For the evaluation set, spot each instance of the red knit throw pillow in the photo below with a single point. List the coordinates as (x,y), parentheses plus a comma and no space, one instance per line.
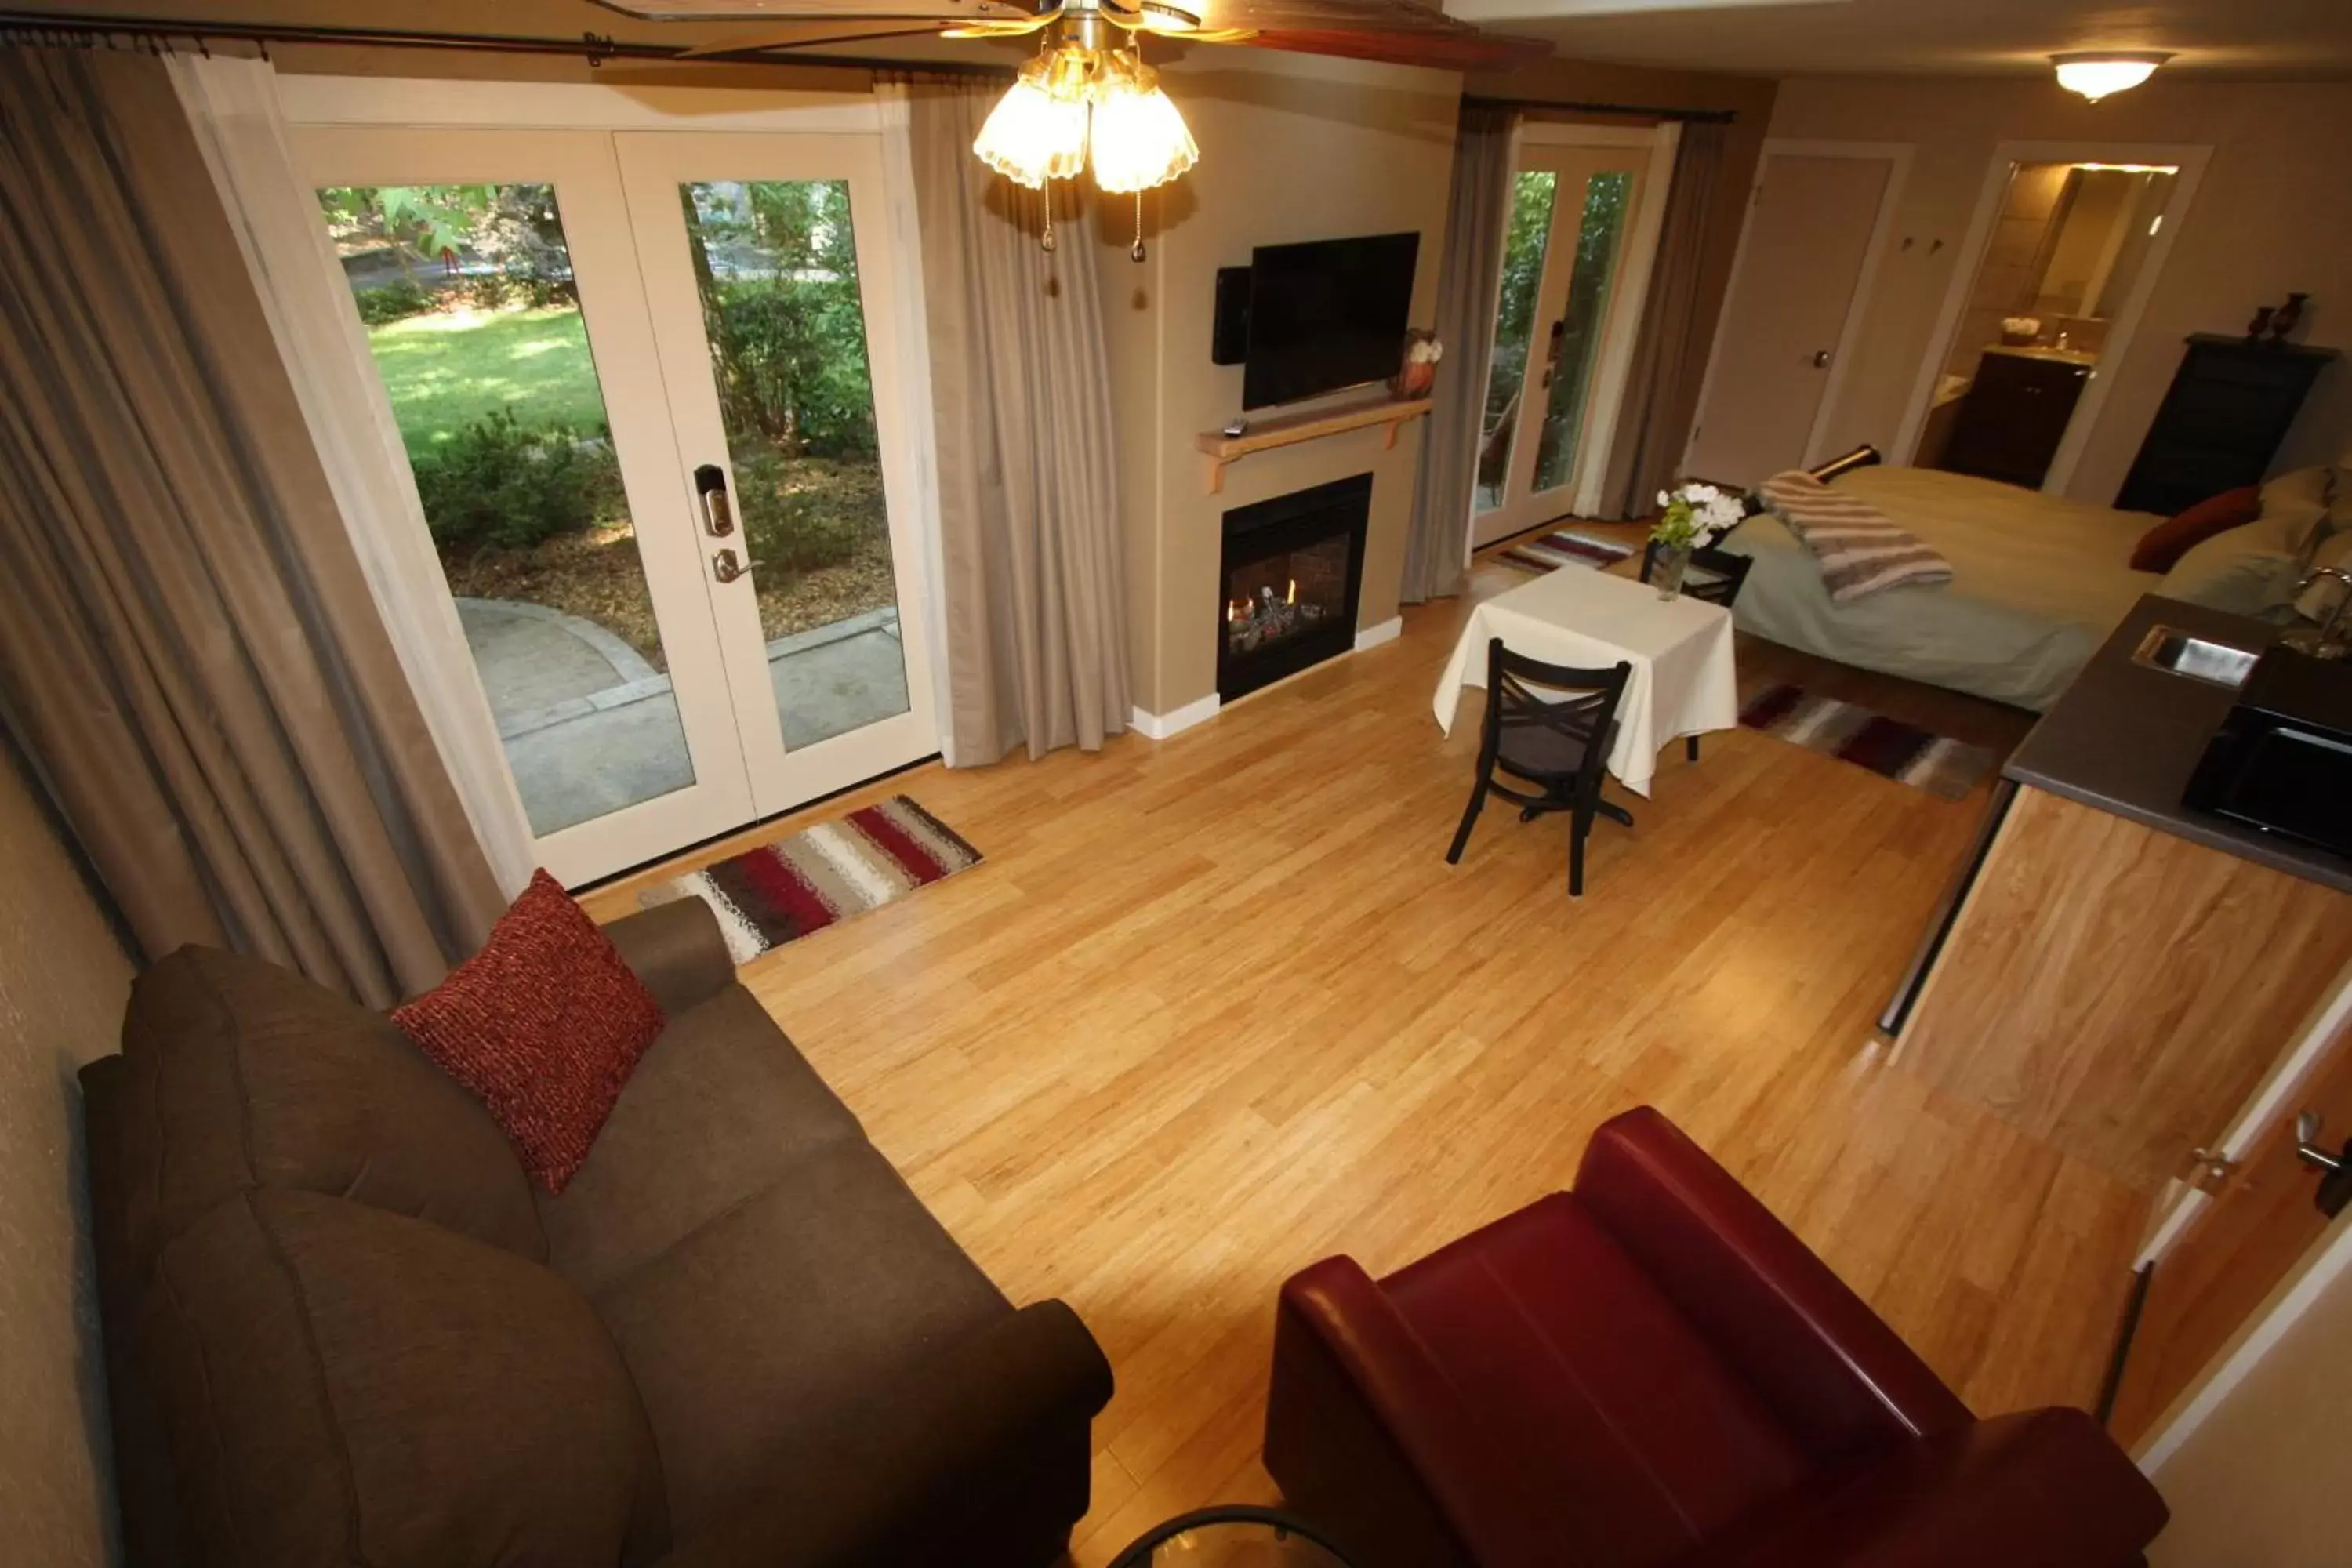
(544,1024)
(2161,547)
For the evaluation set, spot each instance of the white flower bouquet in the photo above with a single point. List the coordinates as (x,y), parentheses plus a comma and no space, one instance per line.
(1695,515)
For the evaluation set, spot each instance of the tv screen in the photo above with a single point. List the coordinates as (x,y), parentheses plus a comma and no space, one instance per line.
(1326,315)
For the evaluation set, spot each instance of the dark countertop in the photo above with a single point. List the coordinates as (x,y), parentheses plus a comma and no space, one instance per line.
(2125,737)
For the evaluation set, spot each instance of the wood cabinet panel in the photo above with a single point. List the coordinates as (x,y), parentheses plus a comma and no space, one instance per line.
(2118,991)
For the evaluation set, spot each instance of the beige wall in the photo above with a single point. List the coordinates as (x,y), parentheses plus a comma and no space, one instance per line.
(1295,148)
(2261,1480)
(62,981)
(2274,213)
(1292,148)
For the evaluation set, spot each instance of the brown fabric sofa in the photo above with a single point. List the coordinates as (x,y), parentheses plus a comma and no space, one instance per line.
(343,1327)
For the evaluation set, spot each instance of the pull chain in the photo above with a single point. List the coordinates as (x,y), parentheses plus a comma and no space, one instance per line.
(1138,251)
(1049,241)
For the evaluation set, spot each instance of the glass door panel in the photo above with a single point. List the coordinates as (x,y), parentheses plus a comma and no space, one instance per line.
(764,260)
(1599,233)
(775,267)
(1525,244)
(1561,262)
(472,318)
(494,276)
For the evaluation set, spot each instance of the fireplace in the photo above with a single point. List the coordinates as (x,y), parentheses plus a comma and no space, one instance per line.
(1292,572)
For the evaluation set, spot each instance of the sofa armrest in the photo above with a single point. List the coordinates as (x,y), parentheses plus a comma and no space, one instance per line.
(2044,1488)
(1366,1434)
(978,1456)
(677,951)
(1828,1365)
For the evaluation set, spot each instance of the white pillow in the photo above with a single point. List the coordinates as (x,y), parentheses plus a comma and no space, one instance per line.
(2297,504)
(2245,572)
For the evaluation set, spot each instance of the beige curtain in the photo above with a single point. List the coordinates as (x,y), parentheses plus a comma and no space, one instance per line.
(1669,356)
(1469,282)
(1032,590)
(188,651)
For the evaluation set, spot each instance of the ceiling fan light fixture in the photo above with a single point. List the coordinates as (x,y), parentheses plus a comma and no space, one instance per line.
(1033,134)
(1139,140)
(2097,73)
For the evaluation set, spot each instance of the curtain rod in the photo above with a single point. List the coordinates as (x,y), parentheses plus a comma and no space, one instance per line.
(86,31)
(1655,112)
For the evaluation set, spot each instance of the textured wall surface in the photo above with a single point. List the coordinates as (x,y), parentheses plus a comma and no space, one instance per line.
(63,976)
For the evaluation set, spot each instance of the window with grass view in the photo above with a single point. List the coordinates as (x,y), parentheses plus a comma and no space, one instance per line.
(473,320)
(776,265)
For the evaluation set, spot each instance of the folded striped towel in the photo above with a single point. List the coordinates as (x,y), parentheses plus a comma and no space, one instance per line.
(1859,552)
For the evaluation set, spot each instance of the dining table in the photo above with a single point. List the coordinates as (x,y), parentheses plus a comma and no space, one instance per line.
(1683,681)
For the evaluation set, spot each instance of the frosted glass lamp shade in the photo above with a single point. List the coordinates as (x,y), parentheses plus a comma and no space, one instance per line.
(1139,141)
(2096,76)
(1032,136)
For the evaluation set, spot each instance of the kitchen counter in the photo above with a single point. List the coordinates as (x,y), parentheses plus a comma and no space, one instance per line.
(2125,737)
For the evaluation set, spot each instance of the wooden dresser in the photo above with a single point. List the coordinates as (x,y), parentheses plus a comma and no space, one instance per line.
(2230,405)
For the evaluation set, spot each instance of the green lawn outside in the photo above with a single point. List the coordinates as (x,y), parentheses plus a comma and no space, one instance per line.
(447,370)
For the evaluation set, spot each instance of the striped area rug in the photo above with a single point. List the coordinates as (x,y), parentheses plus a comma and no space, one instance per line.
(1905,752)
(767,897)
(1564,549)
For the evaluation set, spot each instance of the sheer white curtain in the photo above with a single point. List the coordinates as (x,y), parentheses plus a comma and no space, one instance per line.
(233,106)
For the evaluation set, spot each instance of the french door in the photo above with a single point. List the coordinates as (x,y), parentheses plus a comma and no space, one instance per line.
(644,381)
(1572,214)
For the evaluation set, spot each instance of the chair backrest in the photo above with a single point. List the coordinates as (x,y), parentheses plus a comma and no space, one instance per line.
(1724,571)
(1579,703)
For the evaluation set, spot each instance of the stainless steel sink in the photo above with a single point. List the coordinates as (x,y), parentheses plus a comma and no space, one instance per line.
(2176,652)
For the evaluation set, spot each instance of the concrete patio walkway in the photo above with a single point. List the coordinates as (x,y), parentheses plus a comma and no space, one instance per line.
(589,726)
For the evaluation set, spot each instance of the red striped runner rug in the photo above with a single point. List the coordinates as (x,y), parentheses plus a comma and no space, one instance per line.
(1853,733)
(782,891)
(1553,550)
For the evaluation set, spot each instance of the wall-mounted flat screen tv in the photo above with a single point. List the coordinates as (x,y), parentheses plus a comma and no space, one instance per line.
(1326,315)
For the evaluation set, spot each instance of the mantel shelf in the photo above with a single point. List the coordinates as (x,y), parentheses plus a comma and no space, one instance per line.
(1289,429)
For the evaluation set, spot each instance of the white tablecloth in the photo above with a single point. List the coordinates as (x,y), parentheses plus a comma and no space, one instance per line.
(1683,681)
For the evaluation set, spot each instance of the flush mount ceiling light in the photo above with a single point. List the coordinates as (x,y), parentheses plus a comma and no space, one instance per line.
(2095,73)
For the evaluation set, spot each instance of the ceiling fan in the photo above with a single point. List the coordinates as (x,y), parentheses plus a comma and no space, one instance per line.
(1087,98)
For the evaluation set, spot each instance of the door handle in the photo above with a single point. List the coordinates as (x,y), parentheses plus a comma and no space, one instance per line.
(710,485)
(726,568)
(1821,359)
(2307,1147)
(2334,1170)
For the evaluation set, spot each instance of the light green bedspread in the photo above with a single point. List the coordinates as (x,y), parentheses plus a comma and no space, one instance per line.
(2037,585)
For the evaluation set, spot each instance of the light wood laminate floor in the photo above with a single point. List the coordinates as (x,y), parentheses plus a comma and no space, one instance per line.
(1216,1007)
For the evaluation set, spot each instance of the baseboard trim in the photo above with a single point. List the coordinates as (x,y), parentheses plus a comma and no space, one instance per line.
(1387,631)
(1160,726)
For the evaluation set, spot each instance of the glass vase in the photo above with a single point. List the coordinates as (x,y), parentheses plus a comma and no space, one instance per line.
(1666,570)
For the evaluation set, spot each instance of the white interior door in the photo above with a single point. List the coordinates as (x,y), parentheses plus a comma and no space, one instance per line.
(1812,222)
(533,309)
(1573,212)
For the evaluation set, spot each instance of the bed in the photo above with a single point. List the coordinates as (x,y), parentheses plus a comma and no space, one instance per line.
(2038,582)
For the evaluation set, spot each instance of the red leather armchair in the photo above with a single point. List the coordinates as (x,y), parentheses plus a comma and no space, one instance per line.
(1653,1370)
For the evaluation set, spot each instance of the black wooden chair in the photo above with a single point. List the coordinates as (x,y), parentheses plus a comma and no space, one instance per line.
(1559,743)
(1715,577)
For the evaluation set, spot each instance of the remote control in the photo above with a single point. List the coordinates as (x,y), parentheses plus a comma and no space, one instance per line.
(1236,426)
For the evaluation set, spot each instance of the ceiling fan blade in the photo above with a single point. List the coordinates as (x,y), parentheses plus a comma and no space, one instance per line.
(844,29)
(1477,51)
(785,13)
